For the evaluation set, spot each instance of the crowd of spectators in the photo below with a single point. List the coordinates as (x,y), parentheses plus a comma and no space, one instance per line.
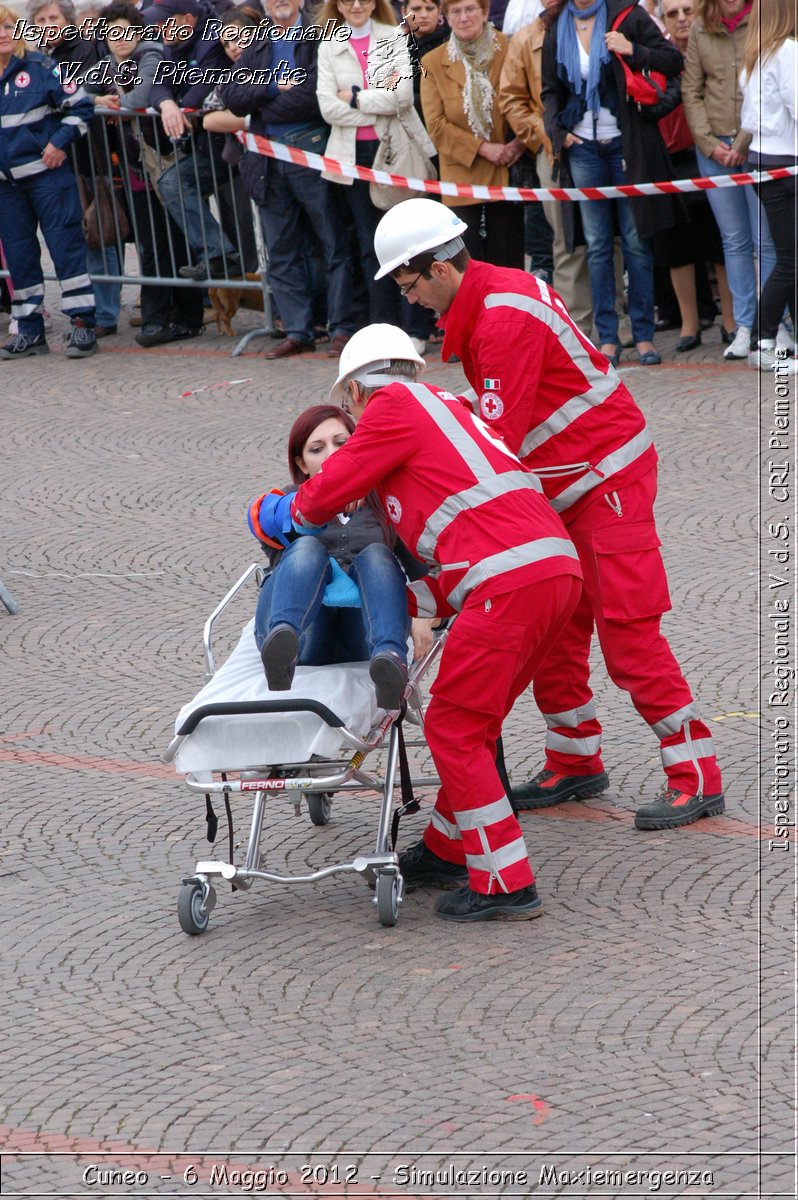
(549,105)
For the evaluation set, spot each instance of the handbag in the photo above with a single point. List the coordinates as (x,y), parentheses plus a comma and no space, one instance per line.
(401,156)
(104,221)
(654,94)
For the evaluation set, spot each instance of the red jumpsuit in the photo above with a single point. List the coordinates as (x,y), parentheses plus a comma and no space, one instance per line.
(564,410)
(500,557)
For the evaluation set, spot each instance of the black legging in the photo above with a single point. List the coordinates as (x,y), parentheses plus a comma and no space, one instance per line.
(778,198)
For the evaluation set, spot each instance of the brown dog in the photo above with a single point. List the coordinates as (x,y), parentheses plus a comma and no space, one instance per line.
(227,300)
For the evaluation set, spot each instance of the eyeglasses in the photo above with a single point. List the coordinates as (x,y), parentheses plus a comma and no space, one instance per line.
(406,288)
(686,10)
(464,12)
(351,3)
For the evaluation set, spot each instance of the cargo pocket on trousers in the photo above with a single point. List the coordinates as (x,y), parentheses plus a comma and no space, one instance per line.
(631,573)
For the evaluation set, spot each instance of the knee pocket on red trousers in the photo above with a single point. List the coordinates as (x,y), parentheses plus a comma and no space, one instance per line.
(631,573)
(479,662)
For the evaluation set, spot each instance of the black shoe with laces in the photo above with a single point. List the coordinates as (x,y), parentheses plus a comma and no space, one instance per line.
(672,808)
(278,654)
(468,905)
(80,342)
(548,788)
(23,346)
(422,868)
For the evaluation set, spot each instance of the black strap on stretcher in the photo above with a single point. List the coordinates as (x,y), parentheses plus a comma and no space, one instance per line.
(212,821)
(409,803)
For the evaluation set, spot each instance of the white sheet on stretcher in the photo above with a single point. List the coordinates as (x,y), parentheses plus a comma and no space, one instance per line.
(232,743)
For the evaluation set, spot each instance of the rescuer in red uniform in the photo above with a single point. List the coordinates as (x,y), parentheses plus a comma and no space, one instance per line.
(499,557)
(560,405)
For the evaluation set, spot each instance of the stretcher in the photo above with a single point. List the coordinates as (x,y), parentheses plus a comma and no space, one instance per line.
(235,737)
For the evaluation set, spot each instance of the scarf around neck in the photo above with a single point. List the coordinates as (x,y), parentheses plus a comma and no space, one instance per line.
(731,23)
(478,94)
(568,49)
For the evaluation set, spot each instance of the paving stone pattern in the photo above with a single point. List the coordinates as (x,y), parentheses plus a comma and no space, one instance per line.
(626,1027)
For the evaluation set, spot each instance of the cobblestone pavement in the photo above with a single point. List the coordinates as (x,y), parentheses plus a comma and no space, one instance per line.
(645,1024)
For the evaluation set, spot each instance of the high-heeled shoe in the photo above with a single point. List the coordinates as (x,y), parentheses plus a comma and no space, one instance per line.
(691,342)
(615,357)
(726,337)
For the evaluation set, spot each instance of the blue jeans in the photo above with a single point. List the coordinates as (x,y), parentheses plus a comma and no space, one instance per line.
(596,165)
(743,228)
(294,592)
(107,296)
(184,187)
(289,191)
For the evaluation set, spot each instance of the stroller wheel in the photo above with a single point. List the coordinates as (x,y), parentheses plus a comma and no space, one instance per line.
(319,807)
(191,913)
(388,899)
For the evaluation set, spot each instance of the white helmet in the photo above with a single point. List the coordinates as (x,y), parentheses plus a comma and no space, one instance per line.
(369,353)
(414,226)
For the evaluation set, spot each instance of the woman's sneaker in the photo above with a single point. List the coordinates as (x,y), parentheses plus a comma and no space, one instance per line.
(741,344)
(22,346)
(80,342)
(767,358)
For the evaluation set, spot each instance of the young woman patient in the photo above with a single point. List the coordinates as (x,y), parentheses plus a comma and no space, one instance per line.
(338,596)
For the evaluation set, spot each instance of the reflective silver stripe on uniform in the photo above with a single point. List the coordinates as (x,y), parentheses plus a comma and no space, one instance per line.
(425,599)
(31,168)
(567,413)
(673,755)
(479,493)
(439,822)
(471,399)
(447,422)
(14,120)
(508,560)
(28,292)
(572,718)
(615,461)
(672,724)
(505,856)
(565,745)
(26,310)
(488,814)
(68,303)
(77,281)
(601,385)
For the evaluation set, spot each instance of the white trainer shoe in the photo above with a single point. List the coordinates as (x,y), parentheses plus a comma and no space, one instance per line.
(784,341)
(741,345)
(767,358)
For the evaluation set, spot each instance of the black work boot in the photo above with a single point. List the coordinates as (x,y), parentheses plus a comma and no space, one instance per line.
(672,808)
(548,788)
(422,868)
(468,905)
(22,346)
(278,654)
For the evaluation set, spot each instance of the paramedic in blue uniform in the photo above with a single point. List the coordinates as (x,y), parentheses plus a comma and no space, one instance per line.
(39,119)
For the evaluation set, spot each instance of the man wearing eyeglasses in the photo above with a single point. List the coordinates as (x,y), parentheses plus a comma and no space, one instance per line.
(289,113)
(559,404)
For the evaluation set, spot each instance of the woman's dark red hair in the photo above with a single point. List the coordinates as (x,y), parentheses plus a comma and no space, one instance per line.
(304,426)
(301,432)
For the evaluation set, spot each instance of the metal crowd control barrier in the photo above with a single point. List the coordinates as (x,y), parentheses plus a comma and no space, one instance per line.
(209,210)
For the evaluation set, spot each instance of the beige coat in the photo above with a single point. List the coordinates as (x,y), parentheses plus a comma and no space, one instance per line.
(442,87)
(378,104)
(519,88)
(710,90)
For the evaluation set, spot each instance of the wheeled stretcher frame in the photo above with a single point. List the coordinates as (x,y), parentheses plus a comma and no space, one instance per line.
(314,781)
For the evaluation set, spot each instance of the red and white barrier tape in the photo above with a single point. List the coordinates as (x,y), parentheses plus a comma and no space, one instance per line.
(436,187)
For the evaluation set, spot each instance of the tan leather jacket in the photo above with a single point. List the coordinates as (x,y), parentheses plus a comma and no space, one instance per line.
(519,88)
(710,89)
(442,84)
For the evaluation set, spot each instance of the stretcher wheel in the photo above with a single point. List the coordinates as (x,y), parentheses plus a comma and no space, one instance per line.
(388,899)
(319,807)
(191,914)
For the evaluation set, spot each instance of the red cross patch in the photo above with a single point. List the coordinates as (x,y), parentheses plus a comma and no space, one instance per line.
(394,509)
(22,80)
(70,88)
(491,406)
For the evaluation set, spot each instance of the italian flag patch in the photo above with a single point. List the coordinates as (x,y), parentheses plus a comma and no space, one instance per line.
(492,385)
